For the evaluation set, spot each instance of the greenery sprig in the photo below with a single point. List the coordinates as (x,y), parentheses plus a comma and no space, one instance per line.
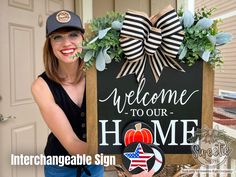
(101,42)
(202,37)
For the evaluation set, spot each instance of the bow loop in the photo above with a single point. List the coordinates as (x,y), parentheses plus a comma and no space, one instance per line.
(132,48)
(157,39)
(153,41)
(168,21)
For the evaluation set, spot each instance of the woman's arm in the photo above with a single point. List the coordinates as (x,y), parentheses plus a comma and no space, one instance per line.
(55,119)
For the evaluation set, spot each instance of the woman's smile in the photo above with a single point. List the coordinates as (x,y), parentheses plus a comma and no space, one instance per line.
(68,51)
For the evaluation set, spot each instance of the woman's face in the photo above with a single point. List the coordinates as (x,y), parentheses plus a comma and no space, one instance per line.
(65,44)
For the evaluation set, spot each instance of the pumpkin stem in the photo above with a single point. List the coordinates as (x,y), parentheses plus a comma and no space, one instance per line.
(138,126)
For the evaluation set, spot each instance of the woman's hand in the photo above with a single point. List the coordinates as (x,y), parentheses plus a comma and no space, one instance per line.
(144,174)
(122,172)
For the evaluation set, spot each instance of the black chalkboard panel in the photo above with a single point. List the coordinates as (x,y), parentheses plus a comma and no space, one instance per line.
(172,107)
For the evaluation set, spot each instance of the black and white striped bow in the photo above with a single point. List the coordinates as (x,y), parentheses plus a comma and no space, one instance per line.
(157,39)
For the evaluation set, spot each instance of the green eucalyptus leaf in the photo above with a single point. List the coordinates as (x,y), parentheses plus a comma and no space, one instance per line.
(93,40)
(100,61)
(183,53)
(188,19)
(204,23)
(102,33)
(89,54)
(223,38)
(116,25)
(112,55)
(205,55)
(106,56)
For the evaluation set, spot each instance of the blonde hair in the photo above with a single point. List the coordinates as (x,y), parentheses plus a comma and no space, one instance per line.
(51,65)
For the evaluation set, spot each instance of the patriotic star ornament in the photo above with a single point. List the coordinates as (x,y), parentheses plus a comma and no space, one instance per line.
(154,40)
(138,157)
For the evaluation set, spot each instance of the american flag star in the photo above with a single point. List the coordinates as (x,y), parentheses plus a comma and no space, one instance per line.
(138,158)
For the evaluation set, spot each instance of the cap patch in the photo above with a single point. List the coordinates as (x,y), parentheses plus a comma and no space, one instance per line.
(63,16)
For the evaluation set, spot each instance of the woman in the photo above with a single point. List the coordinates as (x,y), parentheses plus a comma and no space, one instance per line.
(60,94)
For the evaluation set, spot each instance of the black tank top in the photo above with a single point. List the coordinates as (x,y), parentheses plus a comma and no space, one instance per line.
(74,113)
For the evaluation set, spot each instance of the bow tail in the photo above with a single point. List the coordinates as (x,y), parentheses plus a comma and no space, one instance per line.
(156,69)
(156,66)
(170,61)
(136,68)
(158,61)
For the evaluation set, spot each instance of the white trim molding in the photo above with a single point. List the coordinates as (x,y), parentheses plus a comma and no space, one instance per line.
(84,8)
(186,4)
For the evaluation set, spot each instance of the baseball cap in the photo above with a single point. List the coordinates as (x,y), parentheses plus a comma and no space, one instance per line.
(63,19)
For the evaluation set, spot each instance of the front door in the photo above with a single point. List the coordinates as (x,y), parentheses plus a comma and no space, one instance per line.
(22,34)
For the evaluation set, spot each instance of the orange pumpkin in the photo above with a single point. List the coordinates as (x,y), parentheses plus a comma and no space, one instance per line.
(138,134)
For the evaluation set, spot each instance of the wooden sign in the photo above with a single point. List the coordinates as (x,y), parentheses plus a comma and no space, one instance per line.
(174,107)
